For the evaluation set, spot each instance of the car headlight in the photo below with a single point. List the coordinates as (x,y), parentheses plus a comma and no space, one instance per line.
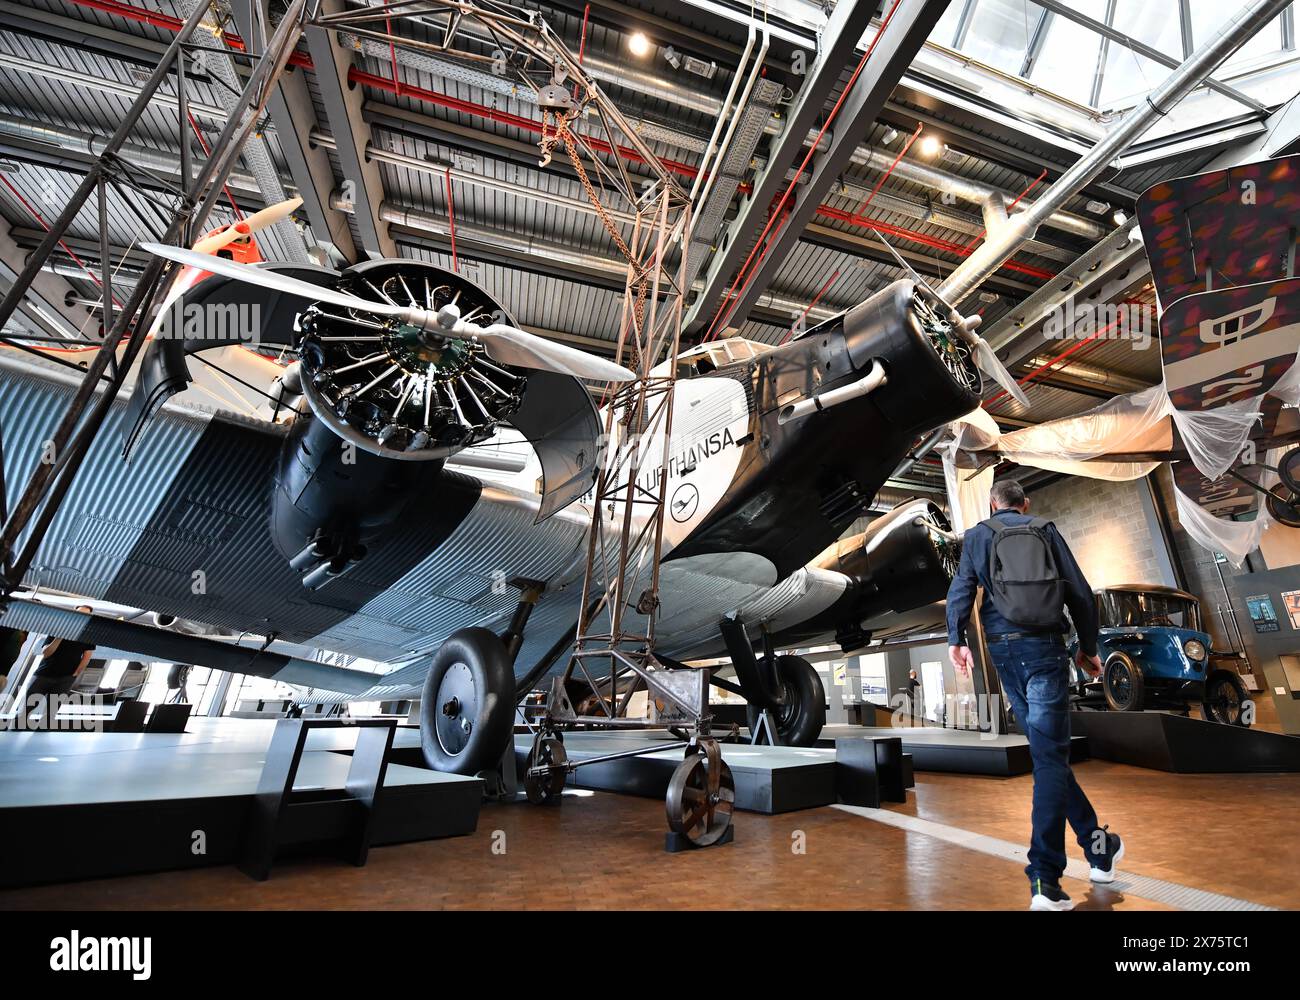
(1195,649)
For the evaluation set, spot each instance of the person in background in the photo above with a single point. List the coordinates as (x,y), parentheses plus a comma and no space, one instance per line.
(913,686)
(1033,666)
(62,661)
(11,645)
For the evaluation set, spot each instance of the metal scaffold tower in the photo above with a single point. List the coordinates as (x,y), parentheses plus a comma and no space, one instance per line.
(614,650)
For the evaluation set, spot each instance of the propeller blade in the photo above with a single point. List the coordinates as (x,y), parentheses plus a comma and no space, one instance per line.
(512,346)
(256,222)
(264,278)
(271,215)
(988,360)
(502,343)
(219,240)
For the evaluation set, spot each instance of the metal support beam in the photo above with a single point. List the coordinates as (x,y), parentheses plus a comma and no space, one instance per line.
(1281,138)
(1115,265)
(80,34)
(256,152)
(361,177)
(838,42)
(1001,245)
(294,116)
(46,304)
(47,486)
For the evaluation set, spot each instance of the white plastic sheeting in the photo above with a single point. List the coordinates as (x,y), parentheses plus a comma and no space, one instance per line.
(968,490)
(1235,539)
(1133,423)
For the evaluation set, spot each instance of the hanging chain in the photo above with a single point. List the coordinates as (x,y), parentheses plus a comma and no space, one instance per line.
(560,132)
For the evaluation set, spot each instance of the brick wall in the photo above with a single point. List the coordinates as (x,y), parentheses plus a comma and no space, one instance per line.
(1107,528)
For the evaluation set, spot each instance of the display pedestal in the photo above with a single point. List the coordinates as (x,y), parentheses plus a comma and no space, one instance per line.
(675,843)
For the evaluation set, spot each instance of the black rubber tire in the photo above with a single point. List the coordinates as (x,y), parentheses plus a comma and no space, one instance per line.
(473,662)
(1119,698)
(1283,505)
(1288,470)
(1211,707)
(800,720)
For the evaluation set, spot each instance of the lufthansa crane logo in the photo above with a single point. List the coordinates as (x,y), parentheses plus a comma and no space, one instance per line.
(685,502)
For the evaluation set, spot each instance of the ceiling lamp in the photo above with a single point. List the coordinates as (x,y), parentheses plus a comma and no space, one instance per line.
(930,146)
(639,44)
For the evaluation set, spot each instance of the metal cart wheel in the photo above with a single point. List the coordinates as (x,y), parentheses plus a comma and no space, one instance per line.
(701,797)
(547,751)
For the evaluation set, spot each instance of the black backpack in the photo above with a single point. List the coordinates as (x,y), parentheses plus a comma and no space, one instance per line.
(1023,576)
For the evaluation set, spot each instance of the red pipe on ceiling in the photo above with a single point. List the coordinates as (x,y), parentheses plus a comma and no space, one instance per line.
(169,23)
(355,75)
(933,242)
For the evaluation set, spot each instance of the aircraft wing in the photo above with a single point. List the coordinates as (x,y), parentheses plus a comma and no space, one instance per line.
(1221,228)
(183,529)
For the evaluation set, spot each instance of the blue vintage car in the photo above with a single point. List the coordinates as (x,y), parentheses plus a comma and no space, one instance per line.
(1156,654)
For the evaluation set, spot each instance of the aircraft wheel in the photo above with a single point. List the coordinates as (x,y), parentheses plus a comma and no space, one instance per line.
(1123,683)
(549,751)
(467,707)
(1284,506)
(1225,699)
(1288,470)
(799,721)
(701,797)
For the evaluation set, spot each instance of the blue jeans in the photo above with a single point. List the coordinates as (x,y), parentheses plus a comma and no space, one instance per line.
(1035,676)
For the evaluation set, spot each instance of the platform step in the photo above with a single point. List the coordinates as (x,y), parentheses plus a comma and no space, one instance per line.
(1166,742)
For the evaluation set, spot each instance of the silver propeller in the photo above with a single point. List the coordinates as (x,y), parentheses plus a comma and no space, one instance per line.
(988,359)
(506,344)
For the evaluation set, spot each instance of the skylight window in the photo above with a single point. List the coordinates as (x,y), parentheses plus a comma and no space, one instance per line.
(1078,62)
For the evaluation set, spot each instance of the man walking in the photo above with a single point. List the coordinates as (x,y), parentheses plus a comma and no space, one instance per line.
(1028,573)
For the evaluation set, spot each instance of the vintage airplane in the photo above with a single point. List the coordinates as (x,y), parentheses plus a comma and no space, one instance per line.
(1222,247)
(342,522)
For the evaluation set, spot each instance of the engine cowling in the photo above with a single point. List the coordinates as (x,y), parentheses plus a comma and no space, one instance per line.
(898,569)
(899,563)
(386,405)
(398,392)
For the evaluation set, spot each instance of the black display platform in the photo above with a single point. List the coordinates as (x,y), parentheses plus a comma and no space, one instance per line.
(87,805)
(1166,742)
(768,779)
(957,751)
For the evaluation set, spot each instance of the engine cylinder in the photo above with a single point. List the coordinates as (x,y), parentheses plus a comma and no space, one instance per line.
(398,391)
(387,404)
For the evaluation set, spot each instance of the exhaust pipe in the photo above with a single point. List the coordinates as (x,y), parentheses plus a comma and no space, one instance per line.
(873,380)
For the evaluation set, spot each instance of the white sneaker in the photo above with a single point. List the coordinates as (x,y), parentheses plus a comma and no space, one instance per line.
(1049,897)
(1104,866)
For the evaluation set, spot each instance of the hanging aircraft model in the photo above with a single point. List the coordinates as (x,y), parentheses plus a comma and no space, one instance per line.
(337,528)
(1222,247)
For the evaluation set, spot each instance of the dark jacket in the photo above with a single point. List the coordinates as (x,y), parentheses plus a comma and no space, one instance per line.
(973,572)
